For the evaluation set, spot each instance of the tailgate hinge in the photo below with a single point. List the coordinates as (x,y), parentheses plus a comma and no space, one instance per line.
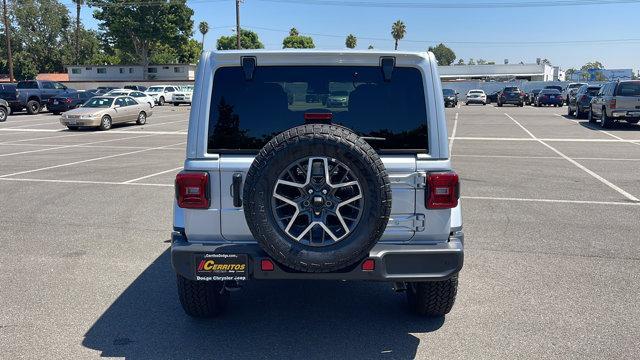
(416,179)
(413,222)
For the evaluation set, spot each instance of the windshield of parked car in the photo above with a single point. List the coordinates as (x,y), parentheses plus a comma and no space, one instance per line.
(155,89)
(572,86)
(628,89)
(98,102)
(245,115)
(448,92)
(593,90)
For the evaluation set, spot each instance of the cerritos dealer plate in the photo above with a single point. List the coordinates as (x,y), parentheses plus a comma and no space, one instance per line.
(221,267)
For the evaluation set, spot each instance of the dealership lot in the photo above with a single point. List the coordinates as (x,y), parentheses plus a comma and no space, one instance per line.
(552,264)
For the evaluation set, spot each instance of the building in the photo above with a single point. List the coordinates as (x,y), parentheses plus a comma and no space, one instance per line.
(498,72)
(602,75)
(107,73)
(558,74)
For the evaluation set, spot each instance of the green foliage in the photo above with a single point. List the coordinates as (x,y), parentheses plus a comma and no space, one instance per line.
(471,62)
(592,65)
(190,52)
(398,31)
(141,29)
(203,27)
(297,41)
(460,62)
(351,41)
(23,66)
(248,40)
(444,55)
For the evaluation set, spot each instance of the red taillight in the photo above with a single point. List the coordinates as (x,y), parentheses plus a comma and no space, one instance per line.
(266,265)
(443,190)
(192,190)
(612,103)
(318,116)
(583,97)
(67,100)
(369,265)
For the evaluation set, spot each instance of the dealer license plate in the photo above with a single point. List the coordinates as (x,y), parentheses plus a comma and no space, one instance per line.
(221,267)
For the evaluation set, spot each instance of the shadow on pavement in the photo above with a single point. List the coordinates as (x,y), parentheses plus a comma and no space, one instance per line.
(276,319)
(621,126)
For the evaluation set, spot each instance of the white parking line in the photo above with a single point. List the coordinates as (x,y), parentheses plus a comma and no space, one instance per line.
(91,146)
(85,161)
(156,124)
(152,175)
(84,182)
(453,134)
(551,200)
(577,164)
(101,132)
(543,139)
(634,142)
(71,146)
(540,157)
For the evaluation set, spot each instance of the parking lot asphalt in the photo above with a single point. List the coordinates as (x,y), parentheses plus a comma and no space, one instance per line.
(552,258)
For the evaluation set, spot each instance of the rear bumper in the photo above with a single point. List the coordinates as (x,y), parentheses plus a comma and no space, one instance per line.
(625,114)
(512,101)
(393,262)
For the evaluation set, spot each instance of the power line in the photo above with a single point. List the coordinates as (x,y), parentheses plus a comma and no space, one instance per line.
(455,5)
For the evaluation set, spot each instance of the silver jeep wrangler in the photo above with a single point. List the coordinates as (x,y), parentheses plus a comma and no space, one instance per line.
(282,183)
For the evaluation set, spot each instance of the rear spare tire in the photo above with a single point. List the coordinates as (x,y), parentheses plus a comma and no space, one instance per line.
(317,198)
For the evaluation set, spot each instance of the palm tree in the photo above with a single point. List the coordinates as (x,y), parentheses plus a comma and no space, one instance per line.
(204,29)
(398,31)
(79,4)
(351,41)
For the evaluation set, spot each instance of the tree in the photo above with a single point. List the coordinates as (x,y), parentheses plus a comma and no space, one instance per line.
(25,68)
(444,55)
(137,27)
(204,29)
(592,65)
(460,62)
(248,40)
(398,31)
(471,61)
(351,41)
(297,41)
(189,52)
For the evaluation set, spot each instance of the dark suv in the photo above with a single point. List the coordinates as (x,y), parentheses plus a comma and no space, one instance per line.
(450,97)
(580,101)
(34,94)
(616,101)
(511,95)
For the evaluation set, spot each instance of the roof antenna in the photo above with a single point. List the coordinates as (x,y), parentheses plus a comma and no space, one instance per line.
(248,66)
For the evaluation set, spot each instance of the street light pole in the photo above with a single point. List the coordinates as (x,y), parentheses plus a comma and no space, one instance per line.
(7,39)
(238,46)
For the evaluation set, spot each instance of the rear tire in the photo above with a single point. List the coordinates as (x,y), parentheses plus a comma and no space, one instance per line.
(592,120)
(161,101)
(72,127)
(432,298)
(202,299)
(605,122)
(3,114)
(142,118)
(176,104)
(33,107)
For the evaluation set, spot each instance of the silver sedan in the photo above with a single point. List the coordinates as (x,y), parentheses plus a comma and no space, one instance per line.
(104,111)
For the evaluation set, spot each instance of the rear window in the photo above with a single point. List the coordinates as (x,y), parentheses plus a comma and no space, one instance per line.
(550,91)
(245,115)
(27,85)
(511,89)
(628,89)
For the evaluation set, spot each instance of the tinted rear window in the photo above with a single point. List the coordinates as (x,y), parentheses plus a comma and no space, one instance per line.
(511,89)
(628,89)
(593,90)
(245,115)
(550,91)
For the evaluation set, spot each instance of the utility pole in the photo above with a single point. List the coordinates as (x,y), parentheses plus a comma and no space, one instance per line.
(238,24)
(78,32)
(7,39)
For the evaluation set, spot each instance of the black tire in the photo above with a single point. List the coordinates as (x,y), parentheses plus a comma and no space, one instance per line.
(569,112)
(176,104)
(560,105)
(499,104)
(55,113)
(590,117)
(161,101)
(202,299)
(432,298)
(105,123)
(142,118)
(4,113)
(72,127)
(579,114)
(299,143)
(605,121)
(33,107)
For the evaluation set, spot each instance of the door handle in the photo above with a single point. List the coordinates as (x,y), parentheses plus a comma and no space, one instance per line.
(236,185)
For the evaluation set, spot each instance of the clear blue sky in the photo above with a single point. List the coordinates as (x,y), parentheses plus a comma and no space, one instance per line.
(430,26)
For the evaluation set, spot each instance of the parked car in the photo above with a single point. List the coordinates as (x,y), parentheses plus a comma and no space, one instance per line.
(450,97)
(183,95)
(139,96)
(338,99)
(135,87)
(493,97)
(5,110)
(33,94)
(62,103)
(511,95)
(616,101)
(531,96)
(289,195)
(580,101)
(570,90)
(549,97)
(161,93)
(476,97)
(104,111)
(101,90)
(8,93)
